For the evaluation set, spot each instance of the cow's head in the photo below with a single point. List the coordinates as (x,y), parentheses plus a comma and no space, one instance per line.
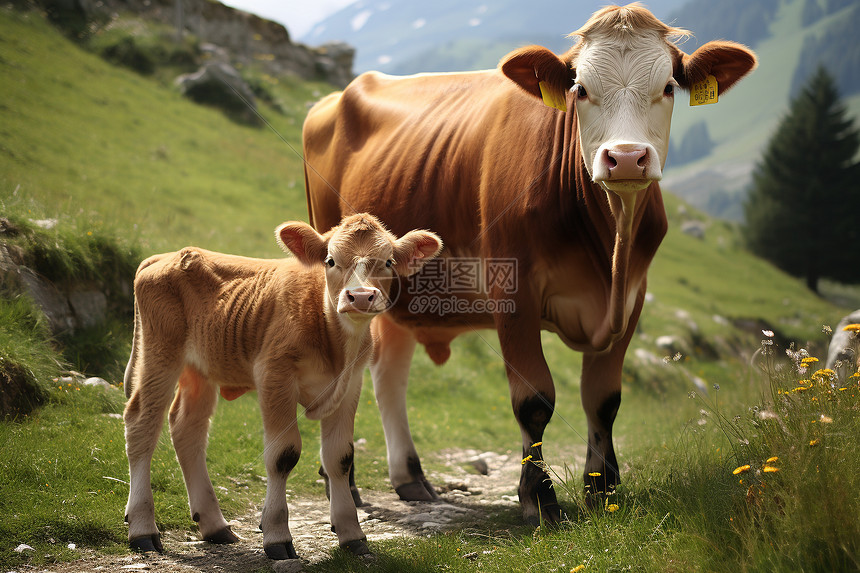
(622,76)
(360,258)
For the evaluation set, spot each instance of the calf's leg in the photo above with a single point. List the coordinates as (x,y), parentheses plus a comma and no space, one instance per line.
(189,416)
(337,455)
(282,448)
(144,416)
(389,369)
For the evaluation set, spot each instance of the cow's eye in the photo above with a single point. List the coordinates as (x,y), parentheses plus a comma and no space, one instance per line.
(329,261)
(388,263)
(579,89)
(669,90)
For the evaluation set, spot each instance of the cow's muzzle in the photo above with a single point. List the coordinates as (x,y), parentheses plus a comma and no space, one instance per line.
(368,300)
(626,167)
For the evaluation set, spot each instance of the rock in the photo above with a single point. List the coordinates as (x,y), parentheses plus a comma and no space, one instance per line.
(694,229)
(97,382)
(23,548)
(481,466)
(52,302)
(286,566)
(89,307)
(220,85)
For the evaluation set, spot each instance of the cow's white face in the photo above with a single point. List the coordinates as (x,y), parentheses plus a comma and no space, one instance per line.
(624,93)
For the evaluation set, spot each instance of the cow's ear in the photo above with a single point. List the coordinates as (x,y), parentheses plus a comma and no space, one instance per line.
(728,62)
(303,241)
(541,73)
(414,249)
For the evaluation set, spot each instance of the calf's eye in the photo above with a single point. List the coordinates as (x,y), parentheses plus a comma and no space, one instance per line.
(388,263)
(329,261)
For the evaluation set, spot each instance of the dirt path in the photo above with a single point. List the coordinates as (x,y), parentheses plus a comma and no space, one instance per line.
(467,494)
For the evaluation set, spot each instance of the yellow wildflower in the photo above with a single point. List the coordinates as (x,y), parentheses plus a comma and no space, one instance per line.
(594,474)
(826,419)
(820,374)
(537,444)
(769,469)
(526,459)
(809,360)
(813,442)
(578,568)
(741,469)
(852,327)
(772,459)
(612,507)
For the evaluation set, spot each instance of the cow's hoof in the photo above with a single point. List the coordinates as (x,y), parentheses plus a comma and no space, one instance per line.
(357,547)
(281,551)
(147,543)
(417,491)
(222,537)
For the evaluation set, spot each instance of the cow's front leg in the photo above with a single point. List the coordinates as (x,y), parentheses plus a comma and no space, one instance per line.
(533,401)
(282,448)
(189,426)
(601,397)
(337,455)
(392,357)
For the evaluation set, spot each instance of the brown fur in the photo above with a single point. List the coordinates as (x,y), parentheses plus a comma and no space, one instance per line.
(297,330)
(477,158)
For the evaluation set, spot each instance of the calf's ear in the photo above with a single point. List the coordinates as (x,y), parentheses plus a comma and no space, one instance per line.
(414,249)
(541,73)
(303,241)
(728,62)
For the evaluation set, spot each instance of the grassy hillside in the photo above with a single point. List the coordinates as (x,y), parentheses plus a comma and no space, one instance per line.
(80,137)
(103,149)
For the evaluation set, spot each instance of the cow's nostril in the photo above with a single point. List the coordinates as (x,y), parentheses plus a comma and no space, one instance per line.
(350,297)
(370,298)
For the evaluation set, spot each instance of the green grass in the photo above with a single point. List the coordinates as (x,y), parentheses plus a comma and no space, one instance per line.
(127,159)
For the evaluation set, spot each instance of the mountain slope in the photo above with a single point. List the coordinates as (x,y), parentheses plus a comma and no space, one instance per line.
(404,37)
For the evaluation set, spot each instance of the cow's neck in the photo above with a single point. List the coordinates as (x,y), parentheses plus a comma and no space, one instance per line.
(612,220)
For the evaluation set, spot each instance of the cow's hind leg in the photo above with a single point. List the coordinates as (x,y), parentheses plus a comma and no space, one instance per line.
(189,427)
(394,347)
(337,452)
(144,417)
(282,448)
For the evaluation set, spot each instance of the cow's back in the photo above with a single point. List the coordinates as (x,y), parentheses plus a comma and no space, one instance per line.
(411,149)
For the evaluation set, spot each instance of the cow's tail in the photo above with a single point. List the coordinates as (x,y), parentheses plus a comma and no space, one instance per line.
(135,350)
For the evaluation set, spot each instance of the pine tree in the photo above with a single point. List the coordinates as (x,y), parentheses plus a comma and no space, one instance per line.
(802,210)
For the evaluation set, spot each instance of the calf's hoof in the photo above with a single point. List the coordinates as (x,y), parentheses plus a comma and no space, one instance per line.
(147,543)
(222,537)
(420,490)
(357,547)
(281,551)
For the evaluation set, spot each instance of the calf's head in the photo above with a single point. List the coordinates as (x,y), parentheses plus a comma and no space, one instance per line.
(621,78)
(360,259)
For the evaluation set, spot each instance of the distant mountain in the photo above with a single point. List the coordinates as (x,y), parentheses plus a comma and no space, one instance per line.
(405,36)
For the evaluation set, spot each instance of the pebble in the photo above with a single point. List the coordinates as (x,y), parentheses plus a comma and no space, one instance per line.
(23,547)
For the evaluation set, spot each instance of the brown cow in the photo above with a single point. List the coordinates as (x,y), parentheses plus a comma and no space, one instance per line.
(567,198)
(296,330)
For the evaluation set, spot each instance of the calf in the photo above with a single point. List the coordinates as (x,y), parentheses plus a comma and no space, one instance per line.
(296,330)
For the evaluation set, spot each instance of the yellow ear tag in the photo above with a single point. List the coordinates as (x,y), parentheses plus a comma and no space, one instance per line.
(704,92)
(550,98)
